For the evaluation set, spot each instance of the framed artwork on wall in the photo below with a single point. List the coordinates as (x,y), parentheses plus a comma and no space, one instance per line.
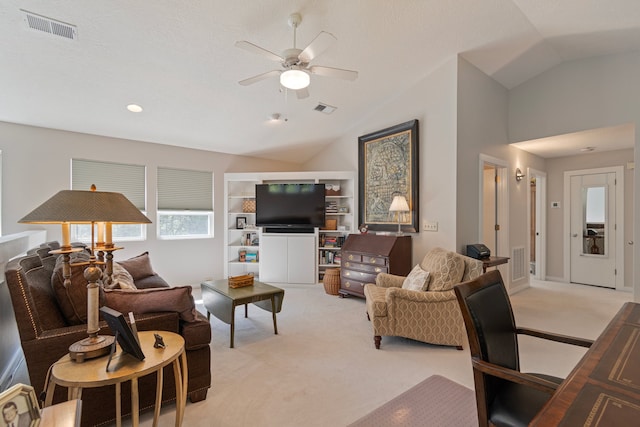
(388,166)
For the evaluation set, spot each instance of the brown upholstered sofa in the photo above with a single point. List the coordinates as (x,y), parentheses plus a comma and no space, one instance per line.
(433,315)
(45,332)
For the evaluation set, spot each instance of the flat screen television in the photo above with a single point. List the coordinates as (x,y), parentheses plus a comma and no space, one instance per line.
(290,206)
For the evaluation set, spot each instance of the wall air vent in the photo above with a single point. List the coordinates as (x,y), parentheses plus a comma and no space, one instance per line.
(50,26)
(325,108)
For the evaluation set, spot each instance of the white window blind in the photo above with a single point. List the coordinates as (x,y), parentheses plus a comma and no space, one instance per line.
(116,177)
(181,189)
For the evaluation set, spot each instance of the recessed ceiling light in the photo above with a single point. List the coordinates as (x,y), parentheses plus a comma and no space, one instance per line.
(134,108)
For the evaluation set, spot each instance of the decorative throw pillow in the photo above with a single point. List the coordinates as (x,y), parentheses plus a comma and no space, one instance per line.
(417,280)
(73,298)
(178,299)
(446,268)
(121,279)
(139,267)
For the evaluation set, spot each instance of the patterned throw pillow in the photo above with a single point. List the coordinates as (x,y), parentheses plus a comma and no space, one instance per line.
(417,280)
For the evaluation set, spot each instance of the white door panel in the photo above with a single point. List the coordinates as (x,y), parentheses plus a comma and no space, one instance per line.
(593,229)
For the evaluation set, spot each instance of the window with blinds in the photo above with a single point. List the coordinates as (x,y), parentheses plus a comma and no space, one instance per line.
(185,203)
(127,179)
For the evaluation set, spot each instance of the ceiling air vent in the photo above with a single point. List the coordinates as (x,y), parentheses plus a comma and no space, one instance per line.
(49,26)
(325,108)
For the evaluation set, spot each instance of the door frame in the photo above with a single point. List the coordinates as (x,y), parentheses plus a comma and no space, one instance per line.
(502,208)
(618,226)
(541,220)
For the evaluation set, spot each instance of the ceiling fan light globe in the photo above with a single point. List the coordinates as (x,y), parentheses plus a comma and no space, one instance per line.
(295,79)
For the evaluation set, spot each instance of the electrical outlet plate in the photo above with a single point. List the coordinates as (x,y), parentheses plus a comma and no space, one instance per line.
(430,226)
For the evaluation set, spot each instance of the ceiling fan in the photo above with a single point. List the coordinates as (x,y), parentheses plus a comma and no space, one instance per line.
(296,71)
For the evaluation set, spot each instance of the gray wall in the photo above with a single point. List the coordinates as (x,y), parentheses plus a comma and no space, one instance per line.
(37,164)
(581,95)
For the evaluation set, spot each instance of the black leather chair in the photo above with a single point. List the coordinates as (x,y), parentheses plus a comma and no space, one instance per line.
(504,395)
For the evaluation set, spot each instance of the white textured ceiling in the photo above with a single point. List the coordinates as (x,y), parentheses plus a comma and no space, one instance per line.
(178,60)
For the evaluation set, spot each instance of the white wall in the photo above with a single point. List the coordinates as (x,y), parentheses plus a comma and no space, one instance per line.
(482,129)
(433,102)
(580,95)
(37,164)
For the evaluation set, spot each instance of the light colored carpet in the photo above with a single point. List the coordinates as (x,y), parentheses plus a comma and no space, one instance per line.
(323,369)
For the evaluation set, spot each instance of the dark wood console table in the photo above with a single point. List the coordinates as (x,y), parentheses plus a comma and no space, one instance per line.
(604,388)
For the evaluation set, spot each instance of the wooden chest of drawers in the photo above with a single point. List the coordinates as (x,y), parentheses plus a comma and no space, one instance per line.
(366,255)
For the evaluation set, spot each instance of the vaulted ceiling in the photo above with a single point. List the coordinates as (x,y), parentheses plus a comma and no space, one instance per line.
(178,60)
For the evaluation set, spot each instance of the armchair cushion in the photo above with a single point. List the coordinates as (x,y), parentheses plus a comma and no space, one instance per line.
(445,267)
(417,280)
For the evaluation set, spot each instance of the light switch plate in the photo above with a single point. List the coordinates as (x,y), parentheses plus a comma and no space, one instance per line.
(429,225)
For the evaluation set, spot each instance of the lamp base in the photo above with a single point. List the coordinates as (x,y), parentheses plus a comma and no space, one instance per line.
(90,348)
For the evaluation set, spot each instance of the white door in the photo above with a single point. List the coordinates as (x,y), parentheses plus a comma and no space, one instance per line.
(593,239)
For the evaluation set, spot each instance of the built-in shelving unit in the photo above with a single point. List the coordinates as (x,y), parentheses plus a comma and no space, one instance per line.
(239,193)
(340,214)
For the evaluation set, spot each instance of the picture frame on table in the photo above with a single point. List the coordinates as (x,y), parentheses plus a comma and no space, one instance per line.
(241,222)
(126,338)
(388,166)
(19,405)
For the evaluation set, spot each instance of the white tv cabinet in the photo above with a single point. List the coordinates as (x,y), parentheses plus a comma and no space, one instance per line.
(288,258)
(305,260)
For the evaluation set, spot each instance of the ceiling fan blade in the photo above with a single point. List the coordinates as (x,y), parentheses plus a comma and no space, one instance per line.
(302,93)
(334,72)
(317,46)
(250,47)
(254,79)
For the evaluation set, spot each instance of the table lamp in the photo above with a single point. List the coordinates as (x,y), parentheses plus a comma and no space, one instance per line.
(87,207)
(399,205)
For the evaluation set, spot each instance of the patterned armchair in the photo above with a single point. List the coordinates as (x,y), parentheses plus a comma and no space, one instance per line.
(431,316)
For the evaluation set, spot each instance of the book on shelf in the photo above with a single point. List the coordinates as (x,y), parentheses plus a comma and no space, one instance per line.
(331,206)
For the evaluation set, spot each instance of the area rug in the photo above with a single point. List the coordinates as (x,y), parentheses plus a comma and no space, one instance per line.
(435,402)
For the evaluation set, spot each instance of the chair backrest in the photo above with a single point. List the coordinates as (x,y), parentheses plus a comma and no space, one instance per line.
(490,325)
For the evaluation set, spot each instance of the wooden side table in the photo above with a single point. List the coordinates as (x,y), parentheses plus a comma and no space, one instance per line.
(493,261)
(124,367)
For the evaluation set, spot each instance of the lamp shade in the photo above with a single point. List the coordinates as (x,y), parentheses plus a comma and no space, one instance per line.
(295,79)
(78,206)
(399,204)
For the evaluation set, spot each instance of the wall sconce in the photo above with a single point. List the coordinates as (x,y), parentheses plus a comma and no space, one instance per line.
(519,175)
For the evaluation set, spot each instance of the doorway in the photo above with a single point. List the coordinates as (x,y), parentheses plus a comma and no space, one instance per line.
(594,221)
(537,223)
(494,219)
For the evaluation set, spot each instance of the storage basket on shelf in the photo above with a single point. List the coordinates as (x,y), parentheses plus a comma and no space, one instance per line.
(249,206)
(331,281)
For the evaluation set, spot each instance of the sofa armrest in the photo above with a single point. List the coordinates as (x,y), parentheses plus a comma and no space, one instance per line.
(386,280)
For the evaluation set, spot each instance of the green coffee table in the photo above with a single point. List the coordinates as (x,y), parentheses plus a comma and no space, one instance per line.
(221,300)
